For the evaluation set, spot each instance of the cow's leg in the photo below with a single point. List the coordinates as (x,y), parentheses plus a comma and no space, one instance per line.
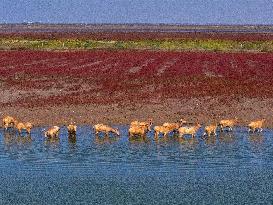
(249,130)
(165,134)
(156,134)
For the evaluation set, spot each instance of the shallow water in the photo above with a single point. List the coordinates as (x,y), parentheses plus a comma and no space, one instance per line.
(228,169)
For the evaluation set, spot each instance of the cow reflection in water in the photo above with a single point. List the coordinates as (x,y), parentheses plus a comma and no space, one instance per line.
(72,138)
(10,138)
(137,139)
(188,143)
(256,138)
(53,141)
(210,140)
(52,144)
(227,137)
(13,144)
(173,137)
(105,139)
(24,140)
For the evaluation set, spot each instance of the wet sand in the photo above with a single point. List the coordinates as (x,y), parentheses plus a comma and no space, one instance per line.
(204,110)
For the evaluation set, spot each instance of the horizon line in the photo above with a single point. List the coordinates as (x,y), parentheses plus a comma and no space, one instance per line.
(132,24)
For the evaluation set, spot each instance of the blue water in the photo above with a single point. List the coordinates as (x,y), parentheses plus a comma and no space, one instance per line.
(228,169)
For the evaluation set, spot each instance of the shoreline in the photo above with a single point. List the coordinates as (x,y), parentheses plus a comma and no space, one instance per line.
(192,110)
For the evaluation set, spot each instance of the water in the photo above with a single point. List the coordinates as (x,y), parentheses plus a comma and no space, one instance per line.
(228,169)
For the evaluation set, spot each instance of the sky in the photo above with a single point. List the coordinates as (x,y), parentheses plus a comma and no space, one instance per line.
(138,11)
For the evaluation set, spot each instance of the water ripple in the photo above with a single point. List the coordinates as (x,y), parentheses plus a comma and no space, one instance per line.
(167,165)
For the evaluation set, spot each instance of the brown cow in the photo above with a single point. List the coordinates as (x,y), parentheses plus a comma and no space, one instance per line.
(24,126)
(174,126)
(256,125)
(138,123)
(52,132)
(138,130)
(189,130)
(210,130)
(106,129)
(228,124)
(72,129)
(9,122)
(162,129)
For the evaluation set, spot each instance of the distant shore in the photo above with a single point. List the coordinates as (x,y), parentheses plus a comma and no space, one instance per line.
(168,28)
(225,38)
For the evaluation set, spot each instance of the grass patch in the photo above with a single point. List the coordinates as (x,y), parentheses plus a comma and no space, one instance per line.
(173,45)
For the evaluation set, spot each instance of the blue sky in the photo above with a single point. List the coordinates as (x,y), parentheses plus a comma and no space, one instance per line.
(138,11)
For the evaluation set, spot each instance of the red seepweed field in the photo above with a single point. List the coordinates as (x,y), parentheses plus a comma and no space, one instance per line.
(117,86)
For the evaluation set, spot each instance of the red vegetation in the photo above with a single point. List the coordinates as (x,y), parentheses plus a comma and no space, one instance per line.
(84,77)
